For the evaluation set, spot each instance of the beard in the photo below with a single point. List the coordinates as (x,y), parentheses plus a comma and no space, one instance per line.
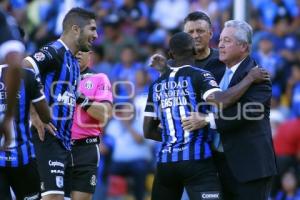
(82,44)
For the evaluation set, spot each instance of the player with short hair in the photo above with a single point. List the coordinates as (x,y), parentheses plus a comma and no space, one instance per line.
(185,158)
(59,71)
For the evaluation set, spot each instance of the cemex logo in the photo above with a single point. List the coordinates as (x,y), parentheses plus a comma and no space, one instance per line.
(210,195)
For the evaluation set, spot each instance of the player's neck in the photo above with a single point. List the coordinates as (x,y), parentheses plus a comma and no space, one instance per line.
(184,61)
(202,54)
(69,42)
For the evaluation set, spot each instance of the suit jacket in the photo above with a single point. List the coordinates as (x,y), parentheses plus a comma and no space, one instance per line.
(246,137)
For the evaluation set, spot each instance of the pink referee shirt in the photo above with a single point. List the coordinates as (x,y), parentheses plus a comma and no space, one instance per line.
(96,87)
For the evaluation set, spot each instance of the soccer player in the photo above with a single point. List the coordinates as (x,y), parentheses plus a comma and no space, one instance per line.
(11,53)
(18,168)
(59,71)
(93,110)
(184,159)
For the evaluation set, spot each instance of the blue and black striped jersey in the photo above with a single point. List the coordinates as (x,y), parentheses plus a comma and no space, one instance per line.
(21,149)
(59,72)
(171,98)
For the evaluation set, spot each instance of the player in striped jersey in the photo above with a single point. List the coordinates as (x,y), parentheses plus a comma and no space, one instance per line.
(59,71)
(11,53)
(19,158)
(185,157)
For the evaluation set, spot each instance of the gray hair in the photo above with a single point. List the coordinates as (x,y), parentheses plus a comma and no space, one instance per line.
(243,32)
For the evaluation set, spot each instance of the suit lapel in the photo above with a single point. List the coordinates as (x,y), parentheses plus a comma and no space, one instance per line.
(242,71)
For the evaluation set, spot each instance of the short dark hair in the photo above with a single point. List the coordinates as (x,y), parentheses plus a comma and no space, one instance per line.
(181,44)
(197,15)
(77,16)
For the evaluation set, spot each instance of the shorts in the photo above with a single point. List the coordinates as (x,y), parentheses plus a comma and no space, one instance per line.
(198,177)
(23,180)
(54,164)
(86,156)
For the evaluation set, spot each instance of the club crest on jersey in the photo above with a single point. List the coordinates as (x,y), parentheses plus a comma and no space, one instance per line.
(213,83)
(39,56)
(89,85)
(59,181)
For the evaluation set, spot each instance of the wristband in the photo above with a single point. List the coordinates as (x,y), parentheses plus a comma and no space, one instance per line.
(84,102)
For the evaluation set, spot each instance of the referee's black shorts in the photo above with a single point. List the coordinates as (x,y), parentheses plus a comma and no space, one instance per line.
(198,177)
(86,156)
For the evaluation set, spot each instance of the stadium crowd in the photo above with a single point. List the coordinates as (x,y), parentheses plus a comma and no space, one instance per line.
(130,31)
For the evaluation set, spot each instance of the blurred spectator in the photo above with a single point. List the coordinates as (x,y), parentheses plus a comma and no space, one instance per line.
(287,148)
(290,188)
(114,40)
(169,14)
(285,43)
(135,15)
(270,9)
(293,90)
(132,153)
(209,7)
(125,71)
(267,58)
(98,62)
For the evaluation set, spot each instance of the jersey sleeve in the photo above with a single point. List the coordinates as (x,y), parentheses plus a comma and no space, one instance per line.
(10,38)
(44,60)
(35,87)
(103,90)
(207,84)
(151,107)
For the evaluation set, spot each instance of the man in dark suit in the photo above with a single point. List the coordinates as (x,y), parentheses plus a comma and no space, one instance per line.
(245,157)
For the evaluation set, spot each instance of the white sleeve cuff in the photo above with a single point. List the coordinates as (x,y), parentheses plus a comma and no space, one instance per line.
(150,114)
(11,46)
(212,122)
(34,65)
(209,92)
(38,99)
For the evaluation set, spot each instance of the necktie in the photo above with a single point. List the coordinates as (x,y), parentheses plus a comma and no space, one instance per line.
(223,85)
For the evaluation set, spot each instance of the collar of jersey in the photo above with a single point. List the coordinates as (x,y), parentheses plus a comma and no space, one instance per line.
(180,67)
(66,47)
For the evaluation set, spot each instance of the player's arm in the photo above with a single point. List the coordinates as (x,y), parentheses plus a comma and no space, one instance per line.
(101,111)
(224,99)
(151,121)
(42,61)
(221,99)
(39,110)
(11,53)
(38,100)
(151,129)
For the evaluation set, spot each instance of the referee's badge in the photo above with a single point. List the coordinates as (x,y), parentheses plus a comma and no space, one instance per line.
(89,85)
(39,56)
(59,181)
